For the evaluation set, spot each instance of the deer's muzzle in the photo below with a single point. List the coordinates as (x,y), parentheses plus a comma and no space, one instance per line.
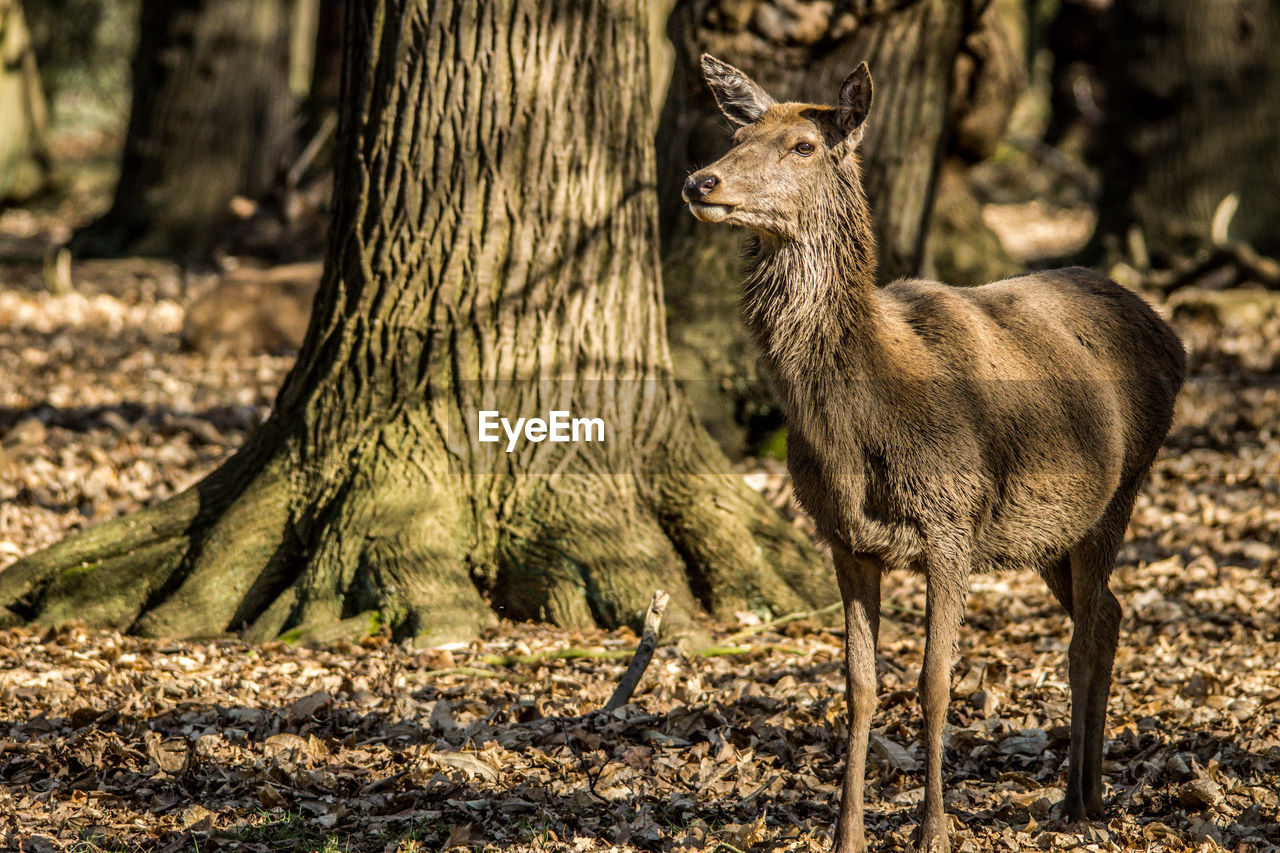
(696,189)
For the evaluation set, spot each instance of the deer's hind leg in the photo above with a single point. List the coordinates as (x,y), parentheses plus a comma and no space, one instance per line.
(1095,614)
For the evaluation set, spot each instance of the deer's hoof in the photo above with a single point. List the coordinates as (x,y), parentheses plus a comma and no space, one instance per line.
(853,842)
(935,844)
(1075,810)
(852,847)
(933,836)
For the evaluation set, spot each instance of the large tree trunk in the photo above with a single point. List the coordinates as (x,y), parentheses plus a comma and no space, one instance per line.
(494,247)
(23,115)
(212,118)
(797,51)
(1193,115)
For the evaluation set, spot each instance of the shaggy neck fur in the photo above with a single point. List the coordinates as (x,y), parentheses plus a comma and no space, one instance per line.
(810,299)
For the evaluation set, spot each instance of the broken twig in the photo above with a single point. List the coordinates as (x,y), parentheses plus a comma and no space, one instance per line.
(779,622)
(570,653)
(475,672)
(644,653)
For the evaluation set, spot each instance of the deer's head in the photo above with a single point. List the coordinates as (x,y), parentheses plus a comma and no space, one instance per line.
(784,158)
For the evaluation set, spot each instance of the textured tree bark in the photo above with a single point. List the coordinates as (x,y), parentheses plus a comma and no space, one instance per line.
(211,119)
(494,247)
(800,52)
(23,162)
(1192,115)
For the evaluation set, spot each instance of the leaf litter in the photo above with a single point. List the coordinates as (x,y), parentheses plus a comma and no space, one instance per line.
(109,742)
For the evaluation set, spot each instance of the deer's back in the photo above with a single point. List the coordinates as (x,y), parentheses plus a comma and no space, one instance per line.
(1025,405)
(1043,332)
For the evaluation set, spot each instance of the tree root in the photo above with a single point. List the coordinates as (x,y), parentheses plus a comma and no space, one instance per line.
(102,576)
(392,533)
(780,621)
(741,555)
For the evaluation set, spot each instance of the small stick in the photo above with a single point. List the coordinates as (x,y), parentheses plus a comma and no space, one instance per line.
(571,653)
(327,126)
(779,622)
(724,845)
(644,653)
(1222,219)
(474,672)
(722,651)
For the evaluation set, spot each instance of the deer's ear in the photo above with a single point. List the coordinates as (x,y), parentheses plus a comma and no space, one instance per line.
(740,98)
(855,100)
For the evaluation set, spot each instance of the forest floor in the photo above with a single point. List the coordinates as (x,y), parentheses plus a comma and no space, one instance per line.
(115,743)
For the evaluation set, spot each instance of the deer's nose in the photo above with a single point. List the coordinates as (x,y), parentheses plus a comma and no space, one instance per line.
(697,186)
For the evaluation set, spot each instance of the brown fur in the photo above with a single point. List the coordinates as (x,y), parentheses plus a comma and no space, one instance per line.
(938,429)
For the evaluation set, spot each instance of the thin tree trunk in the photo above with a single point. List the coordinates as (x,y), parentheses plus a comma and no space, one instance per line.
(211,119)
(494,247)
(1193,115)
(326,70)
(23,162)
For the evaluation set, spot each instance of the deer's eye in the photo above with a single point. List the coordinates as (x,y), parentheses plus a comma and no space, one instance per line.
(804,149)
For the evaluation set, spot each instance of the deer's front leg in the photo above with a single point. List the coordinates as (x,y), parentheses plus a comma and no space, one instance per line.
(944,607)
(859,580)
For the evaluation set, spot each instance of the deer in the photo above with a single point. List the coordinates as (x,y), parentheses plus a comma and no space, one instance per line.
(937,429)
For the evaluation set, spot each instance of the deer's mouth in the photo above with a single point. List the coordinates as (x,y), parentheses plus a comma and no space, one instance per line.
(708,212)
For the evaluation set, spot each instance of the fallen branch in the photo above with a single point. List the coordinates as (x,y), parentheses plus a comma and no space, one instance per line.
(569,653)
(722,651)
(1260,267)
(477,673)
(902,609)
(1245,260)
(640,656)
(577,653)
(732,639)
(644,653)
(327,126)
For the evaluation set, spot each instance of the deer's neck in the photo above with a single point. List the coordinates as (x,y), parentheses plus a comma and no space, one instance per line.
(811,303)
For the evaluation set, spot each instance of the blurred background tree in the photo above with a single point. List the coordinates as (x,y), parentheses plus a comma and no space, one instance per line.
(83,48)
(211,119)
(1192,116)
(24,163)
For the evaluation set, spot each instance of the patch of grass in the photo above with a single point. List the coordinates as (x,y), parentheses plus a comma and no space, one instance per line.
(287,831)
(536,833)
(431,832)
(81,570)
(774,446)
(98,843)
